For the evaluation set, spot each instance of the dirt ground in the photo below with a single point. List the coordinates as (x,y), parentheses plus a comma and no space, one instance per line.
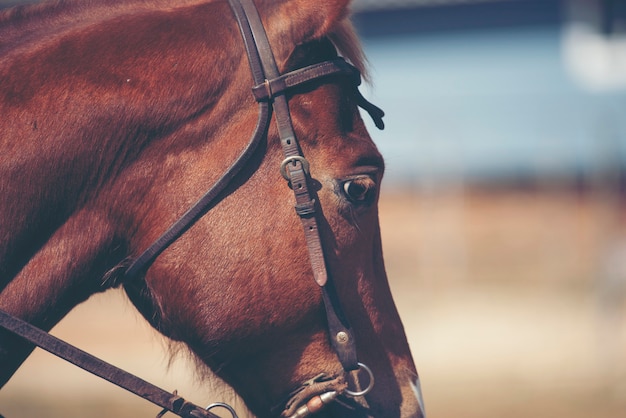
(513,303)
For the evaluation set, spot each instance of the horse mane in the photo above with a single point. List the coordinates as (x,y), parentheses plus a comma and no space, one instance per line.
(22,23)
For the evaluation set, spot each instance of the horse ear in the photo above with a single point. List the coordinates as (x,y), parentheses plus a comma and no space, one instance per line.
(294,22)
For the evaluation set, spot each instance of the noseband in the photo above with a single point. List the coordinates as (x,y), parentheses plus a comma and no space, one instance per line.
(270,89)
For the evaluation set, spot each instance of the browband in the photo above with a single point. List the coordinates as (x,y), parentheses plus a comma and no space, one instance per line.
(338,66)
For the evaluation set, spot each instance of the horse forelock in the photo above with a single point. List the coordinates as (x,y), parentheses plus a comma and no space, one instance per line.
(345,39)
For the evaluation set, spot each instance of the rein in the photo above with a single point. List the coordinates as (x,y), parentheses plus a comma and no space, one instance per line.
(166,400)
(270,92)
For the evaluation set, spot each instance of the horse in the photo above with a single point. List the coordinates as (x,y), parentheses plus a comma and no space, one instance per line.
(118,115)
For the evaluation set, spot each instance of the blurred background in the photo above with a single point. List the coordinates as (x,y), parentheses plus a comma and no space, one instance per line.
(503,216)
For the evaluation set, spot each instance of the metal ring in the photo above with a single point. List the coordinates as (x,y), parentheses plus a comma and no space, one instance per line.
(295,158)
(223,405)
(369,386)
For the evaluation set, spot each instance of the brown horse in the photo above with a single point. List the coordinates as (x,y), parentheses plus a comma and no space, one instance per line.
(117,115)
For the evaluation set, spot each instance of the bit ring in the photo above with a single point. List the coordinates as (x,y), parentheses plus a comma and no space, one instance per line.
(223,405)
(369,387)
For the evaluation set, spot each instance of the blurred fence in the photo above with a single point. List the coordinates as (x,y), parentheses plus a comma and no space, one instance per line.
(506,151)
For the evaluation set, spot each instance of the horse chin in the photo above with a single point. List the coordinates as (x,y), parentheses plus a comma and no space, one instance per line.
(347,408)
(351,408)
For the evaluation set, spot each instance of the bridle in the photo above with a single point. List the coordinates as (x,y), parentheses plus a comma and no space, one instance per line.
(270,89)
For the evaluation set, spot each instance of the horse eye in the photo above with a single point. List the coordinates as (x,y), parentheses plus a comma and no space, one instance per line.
(359,190)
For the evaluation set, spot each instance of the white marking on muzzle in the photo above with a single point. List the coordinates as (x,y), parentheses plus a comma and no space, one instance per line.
(417,389)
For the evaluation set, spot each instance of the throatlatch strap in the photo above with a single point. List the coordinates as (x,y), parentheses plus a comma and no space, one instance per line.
(143,262)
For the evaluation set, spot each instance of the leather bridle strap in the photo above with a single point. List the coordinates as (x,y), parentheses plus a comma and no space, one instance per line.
(148,391)
(204,204)
(264,92)
(338,66)
(265,72)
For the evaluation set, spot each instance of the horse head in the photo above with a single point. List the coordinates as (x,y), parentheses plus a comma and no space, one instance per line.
(156,107)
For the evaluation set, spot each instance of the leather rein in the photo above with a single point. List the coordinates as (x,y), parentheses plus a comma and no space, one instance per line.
(270,92)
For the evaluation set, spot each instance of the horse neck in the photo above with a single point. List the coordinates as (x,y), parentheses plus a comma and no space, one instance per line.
(89,118)
(22,25)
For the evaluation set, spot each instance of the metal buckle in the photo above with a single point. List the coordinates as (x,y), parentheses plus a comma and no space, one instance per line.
(293,160)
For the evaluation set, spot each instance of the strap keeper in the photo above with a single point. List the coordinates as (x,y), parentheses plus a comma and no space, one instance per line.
(306,209)
(269,89)
(263,92)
